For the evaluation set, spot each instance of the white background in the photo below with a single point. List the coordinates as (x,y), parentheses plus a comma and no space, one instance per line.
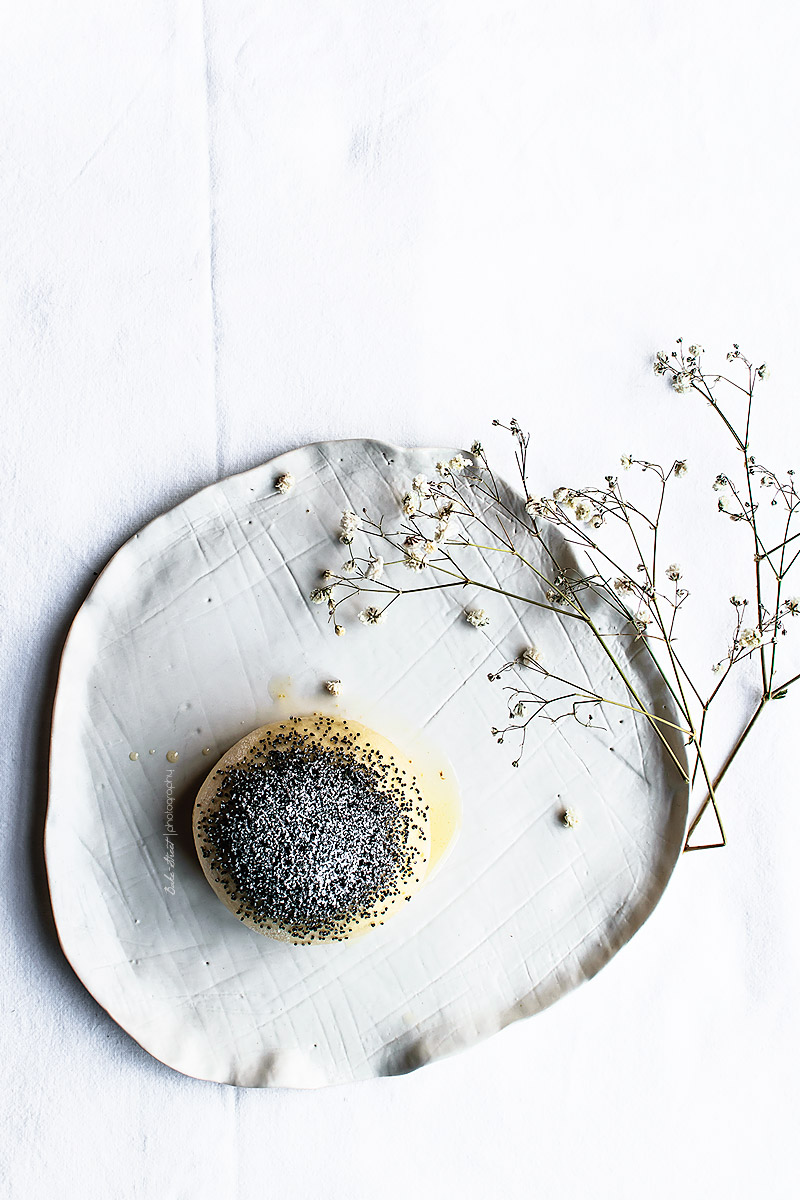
(228,229)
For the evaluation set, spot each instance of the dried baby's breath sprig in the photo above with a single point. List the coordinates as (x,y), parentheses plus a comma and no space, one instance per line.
(449,523)
(371,616)
(347,527)
(375,568)
(478,618)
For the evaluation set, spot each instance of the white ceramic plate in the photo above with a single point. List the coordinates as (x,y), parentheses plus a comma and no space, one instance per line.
(175,649)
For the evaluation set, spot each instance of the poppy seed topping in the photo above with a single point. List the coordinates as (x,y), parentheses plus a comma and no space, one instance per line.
(311,832)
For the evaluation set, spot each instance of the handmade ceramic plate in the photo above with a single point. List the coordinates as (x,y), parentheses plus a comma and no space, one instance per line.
(182,645)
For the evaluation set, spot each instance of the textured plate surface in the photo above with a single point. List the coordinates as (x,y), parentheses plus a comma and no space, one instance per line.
(175,649)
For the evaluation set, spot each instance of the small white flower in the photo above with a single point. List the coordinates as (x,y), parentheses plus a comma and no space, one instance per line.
(765,481)
(476,617)
(347,526)
(334,686)
(370,616)
(415,562)
(476,448)
(642,619)
(420,484)
(673,572)
(416,554)
(561,494)
(531,656)
(763,371)
(458,464)
(682,381)
(738,601)
(626,462)
(695,350)
(661,362)
(720,484)
(339,630)
(750,639)
(442,468)
(727,503)
(680,468)
(583,509)
(717,667)
(570,818)
(350,567)
(326,575)
(442,526)
(518,710)
(410,506)
(375,568)
(320,595)
(793,605)
(284,483)
(534,506)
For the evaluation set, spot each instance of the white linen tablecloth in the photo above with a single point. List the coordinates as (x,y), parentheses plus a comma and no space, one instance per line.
(231,228)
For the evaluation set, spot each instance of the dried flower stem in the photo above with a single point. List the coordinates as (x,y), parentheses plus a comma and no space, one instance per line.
(466,492)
